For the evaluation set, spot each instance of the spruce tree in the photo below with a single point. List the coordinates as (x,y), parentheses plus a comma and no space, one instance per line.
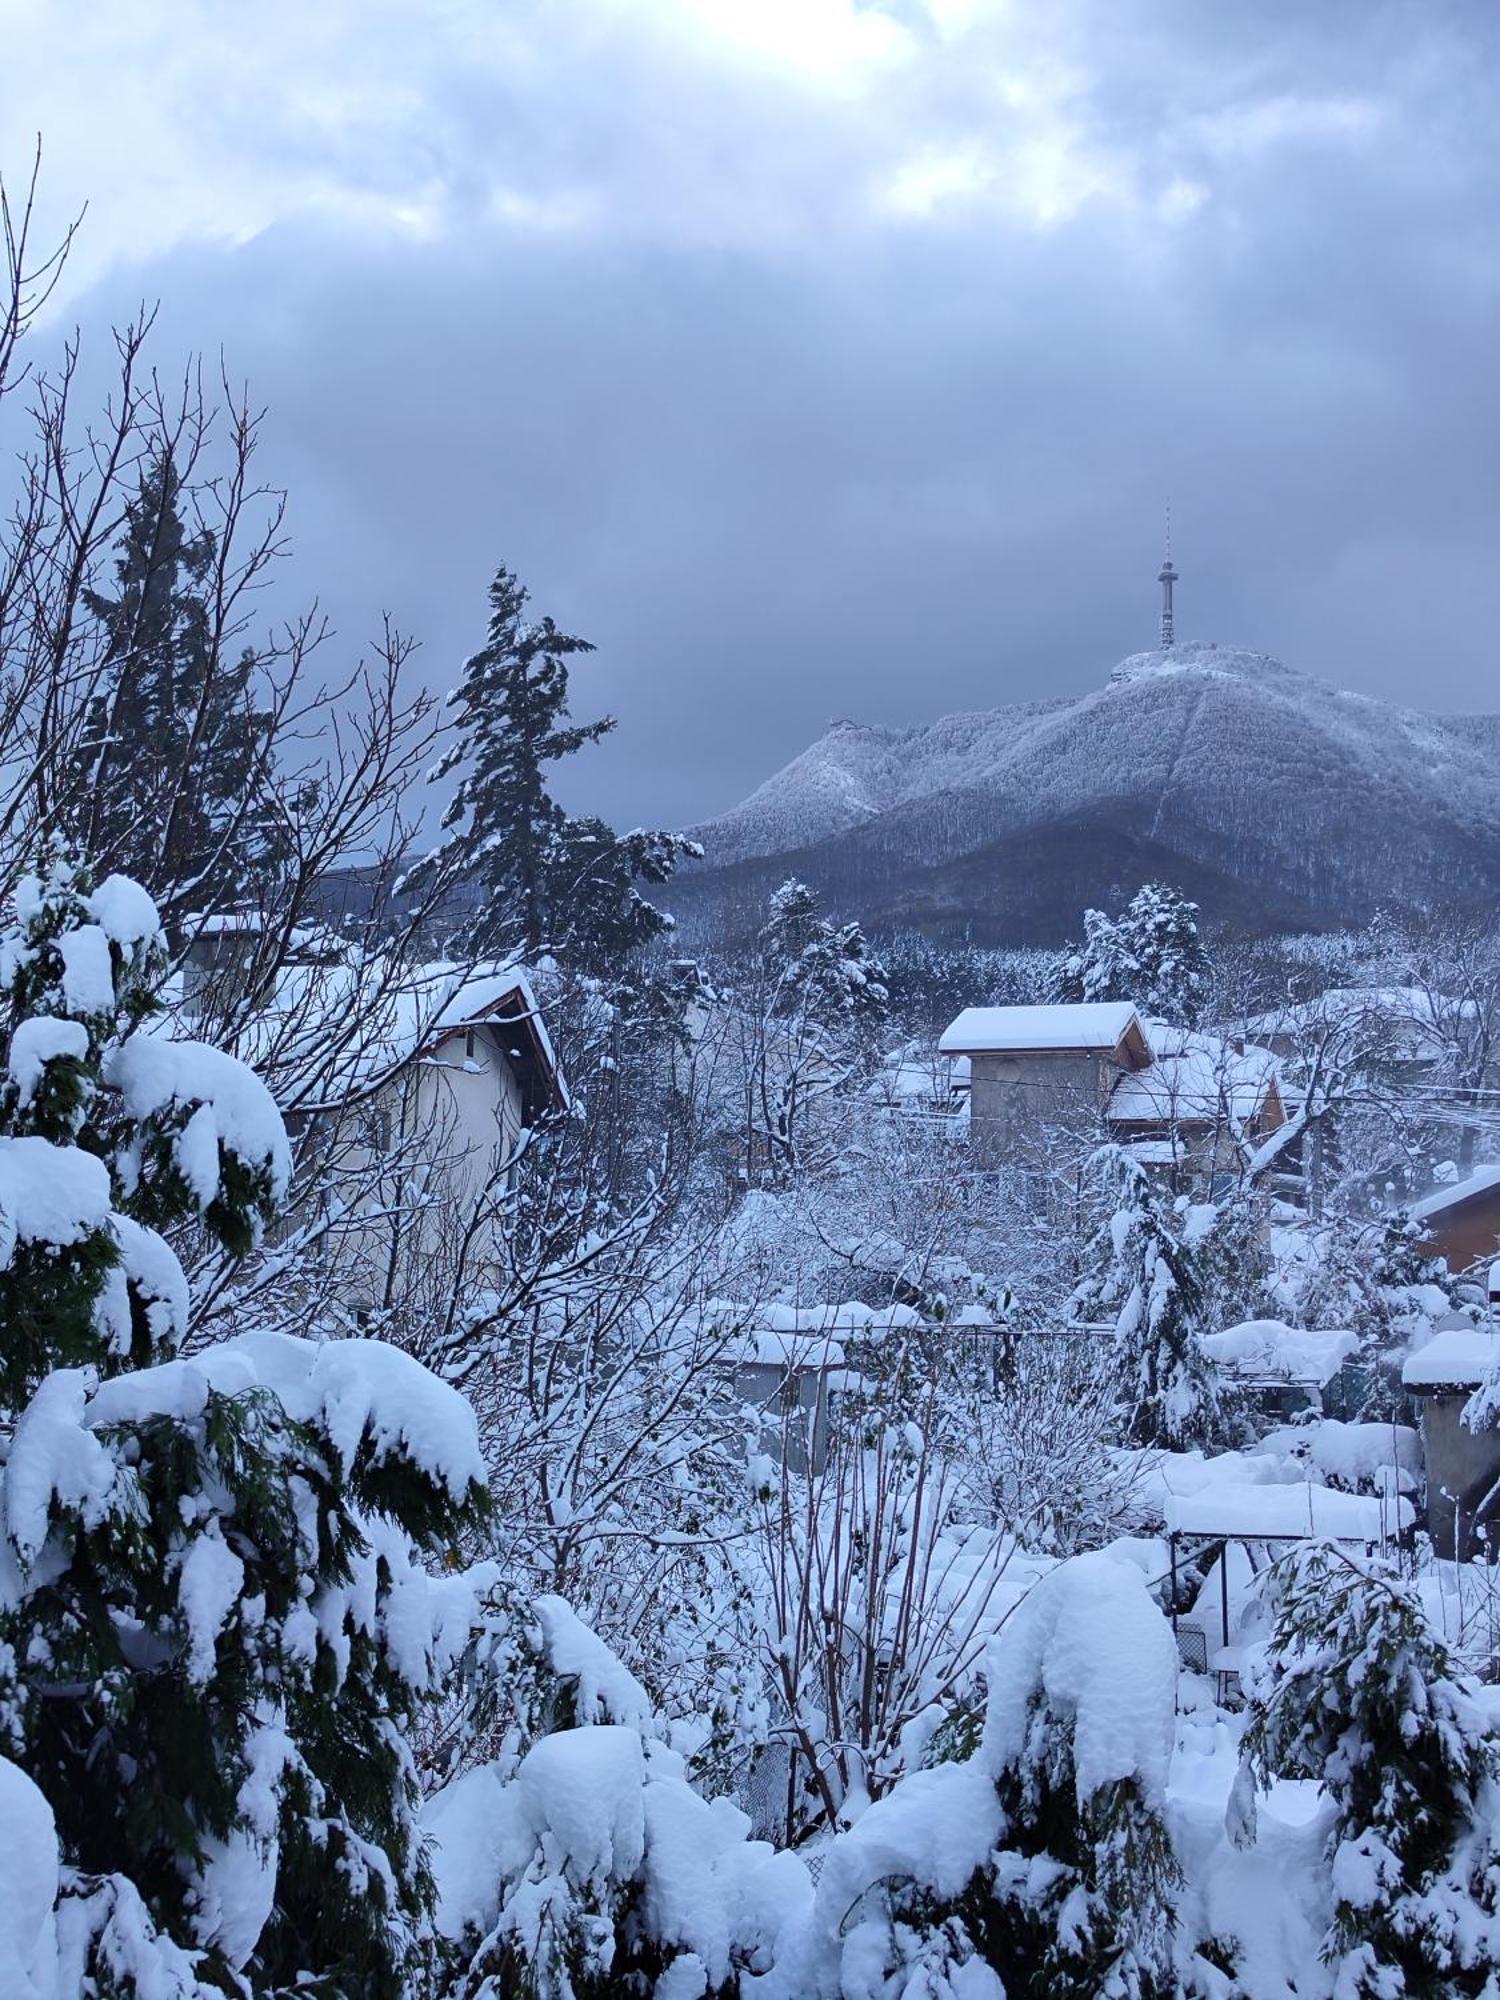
(1058,1816)
(216,1633)
(824,1006)
(170,789)
(1153,1261)
(1358,1693)
(546,881)
(1151,954)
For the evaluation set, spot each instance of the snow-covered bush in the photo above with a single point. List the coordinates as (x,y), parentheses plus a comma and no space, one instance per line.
(1358,1693)
(580,1862)
(875,1596)
(216,1633)
(1042,1863)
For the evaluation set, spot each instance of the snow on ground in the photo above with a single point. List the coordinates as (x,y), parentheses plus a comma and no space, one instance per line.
(1270,1896)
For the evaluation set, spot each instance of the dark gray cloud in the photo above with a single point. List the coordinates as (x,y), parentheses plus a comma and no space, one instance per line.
(822,376)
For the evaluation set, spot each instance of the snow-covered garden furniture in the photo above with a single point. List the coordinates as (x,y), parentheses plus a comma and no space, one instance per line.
(1237,1526)
(1284,1370)
(1463,1460)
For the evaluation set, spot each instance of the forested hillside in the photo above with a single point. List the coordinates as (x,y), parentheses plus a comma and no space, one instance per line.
(1275,800)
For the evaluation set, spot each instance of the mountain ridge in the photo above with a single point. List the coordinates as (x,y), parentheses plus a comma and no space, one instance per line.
(1221,759)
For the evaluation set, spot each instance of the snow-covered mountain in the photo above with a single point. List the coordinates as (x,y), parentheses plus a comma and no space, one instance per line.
(1275,798)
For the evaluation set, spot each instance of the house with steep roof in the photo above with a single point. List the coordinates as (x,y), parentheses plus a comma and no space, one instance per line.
(1198,1104)
(1184,1102)
(414,1086)
(432,1112)
(1032,1069)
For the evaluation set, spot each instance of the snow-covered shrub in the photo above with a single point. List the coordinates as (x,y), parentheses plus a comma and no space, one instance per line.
(1356,1691)
(1043,1859)
(1040,1436)
(581,1863)
(215,1630)
(875,1595)
(28,1888)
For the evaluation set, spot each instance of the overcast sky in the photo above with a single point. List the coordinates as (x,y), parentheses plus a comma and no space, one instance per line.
(822,359)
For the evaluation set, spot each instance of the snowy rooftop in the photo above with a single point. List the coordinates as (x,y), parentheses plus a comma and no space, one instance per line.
(1285,1512)
(801,1336)
(1091,1025)
(404,1011)
(1194,1079)
(1416,1019)
(1481,1181)
(1457,1358)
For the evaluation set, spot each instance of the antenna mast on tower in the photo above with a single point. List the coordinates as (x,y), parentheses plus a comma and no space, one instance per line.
(1166,577)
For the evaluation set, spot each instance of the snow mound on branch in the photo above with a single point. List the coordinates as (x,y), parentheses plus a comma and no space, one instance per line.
(88,981)
(208,1588)
(49,1194)
(149,1272)
(581,1795)
(604,1689)
(124,912)
(466,1823)
(1090,1640)
(595,1810)
(709,1889)
(37,1041)
(54,1456)
(28,1889)
(229,1105)
(936,1827)
(366,1393)
(362,1394)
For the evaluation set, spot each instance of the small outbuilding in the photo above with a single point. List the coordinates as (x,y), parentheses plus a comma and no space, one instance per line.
(1463,1462)
(788,1381)
(1231,1531)
(1034,1067)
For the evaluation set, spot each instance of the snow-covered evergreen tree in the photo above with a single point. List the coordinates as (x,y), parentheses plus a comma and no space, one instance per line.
(548,881)
(1357,1692)
(215,1631)
(823,1005)
(169,788)
(579,1864)
(1042,1863)
(1085,1876)
(1151,954)
(1150,1279)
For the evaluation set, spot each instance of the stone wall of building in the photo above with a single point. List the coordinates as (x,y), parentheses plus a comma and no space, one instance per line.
(1014,1101)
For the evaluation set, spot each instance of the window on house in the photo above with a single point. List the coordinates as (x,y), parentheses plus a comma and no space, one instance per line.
(469,1044)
